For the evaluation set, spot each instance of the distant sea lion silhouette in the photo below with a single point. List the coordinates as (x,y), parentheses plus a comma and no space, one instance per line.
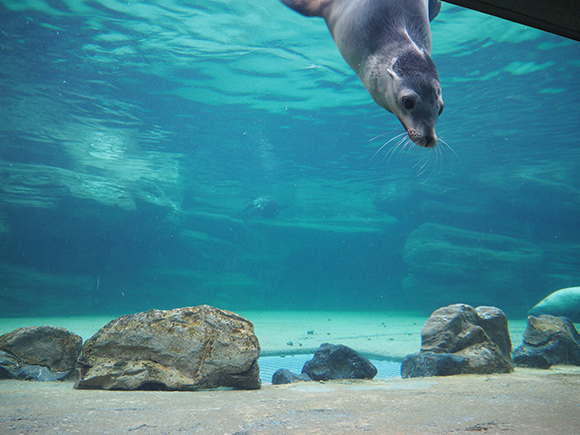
(265,206)
(388,44)
(564,302)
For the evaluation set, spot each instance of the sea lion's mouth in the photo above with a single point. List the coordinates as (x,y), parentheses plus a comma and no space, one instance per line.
(425,141)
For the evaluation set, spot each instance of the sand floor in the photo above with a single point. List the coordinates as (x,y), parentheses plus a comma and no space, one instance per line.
(524,402)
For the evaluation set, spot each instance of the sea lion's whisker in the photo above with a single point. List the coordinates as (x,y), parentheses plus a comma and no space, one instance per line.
(438,159)
(424,162)
(430,161)
(408,144)
(391,152)
(400,146)
(385,144)
(448,147)
(434,154)
(377,136)
(398,137)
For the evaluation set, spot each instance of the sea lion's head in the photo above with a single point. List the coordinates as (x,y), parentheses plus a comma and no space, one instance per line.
(410,89)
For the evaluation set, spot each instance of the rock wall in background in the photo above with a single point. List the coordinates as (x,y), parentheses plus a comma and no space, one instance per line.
(76,243)
(442,259)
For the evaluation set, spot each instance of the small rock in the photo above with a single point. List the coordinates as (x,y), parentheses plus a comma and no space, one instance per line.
(41,353)
(182,349)
(338,362)
(548,340)
(284,376)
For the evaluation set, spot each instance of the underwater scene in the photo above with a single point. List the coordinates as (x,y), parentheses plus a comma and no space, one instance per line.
(163,154)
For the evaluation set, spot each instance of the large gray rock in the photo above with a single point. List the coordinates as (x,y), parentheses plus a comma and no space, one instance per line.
(41,353)
(479,336)
(548,340)
(182,349)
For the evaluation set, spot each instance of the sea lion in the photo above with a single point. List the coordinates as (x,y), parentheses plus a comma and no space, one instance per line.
(265,206)
(388,44)
(564,302)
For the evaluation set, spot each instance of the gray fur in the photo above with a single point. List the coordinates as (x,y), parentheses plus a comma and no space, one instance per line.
(388,44)
(564,302)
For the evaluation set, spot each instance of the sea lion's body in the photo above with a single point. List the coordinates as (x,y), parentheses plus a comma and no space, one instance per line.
(564,302)
(388,44)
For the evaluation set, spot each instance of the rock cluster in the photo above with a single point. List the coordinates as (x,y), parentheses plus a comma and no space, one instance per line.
(41,353)
(182,349)
(330,361)
(548,340)
(460,339)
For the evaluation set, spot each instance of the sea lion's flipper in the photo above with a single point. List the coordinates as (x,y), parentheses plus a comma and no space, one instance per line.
(310,8)
(434,8)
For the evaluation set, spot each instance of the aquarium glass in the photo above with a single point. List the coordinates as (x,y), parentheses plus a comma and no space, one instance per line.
(161,154)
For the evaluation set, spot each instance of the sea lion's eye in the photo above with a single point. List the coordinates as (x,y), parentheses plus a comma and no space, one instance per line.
(408,103)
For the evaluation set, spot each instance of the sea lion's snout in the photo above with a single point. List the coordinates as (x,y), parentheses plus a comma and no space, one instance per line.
(429,141)
(423,140)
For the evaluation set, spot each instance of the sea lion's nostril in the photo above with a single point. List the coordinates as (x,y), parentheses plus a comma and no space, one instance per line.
(430,141)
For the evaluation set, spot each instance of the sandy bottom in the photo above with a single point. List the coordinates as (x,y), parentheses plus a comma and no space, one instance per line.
(524,402)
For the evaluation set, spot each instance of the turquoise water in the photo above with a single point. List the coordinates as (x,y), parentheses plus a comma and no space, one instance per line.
(133,135)
(270,364)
